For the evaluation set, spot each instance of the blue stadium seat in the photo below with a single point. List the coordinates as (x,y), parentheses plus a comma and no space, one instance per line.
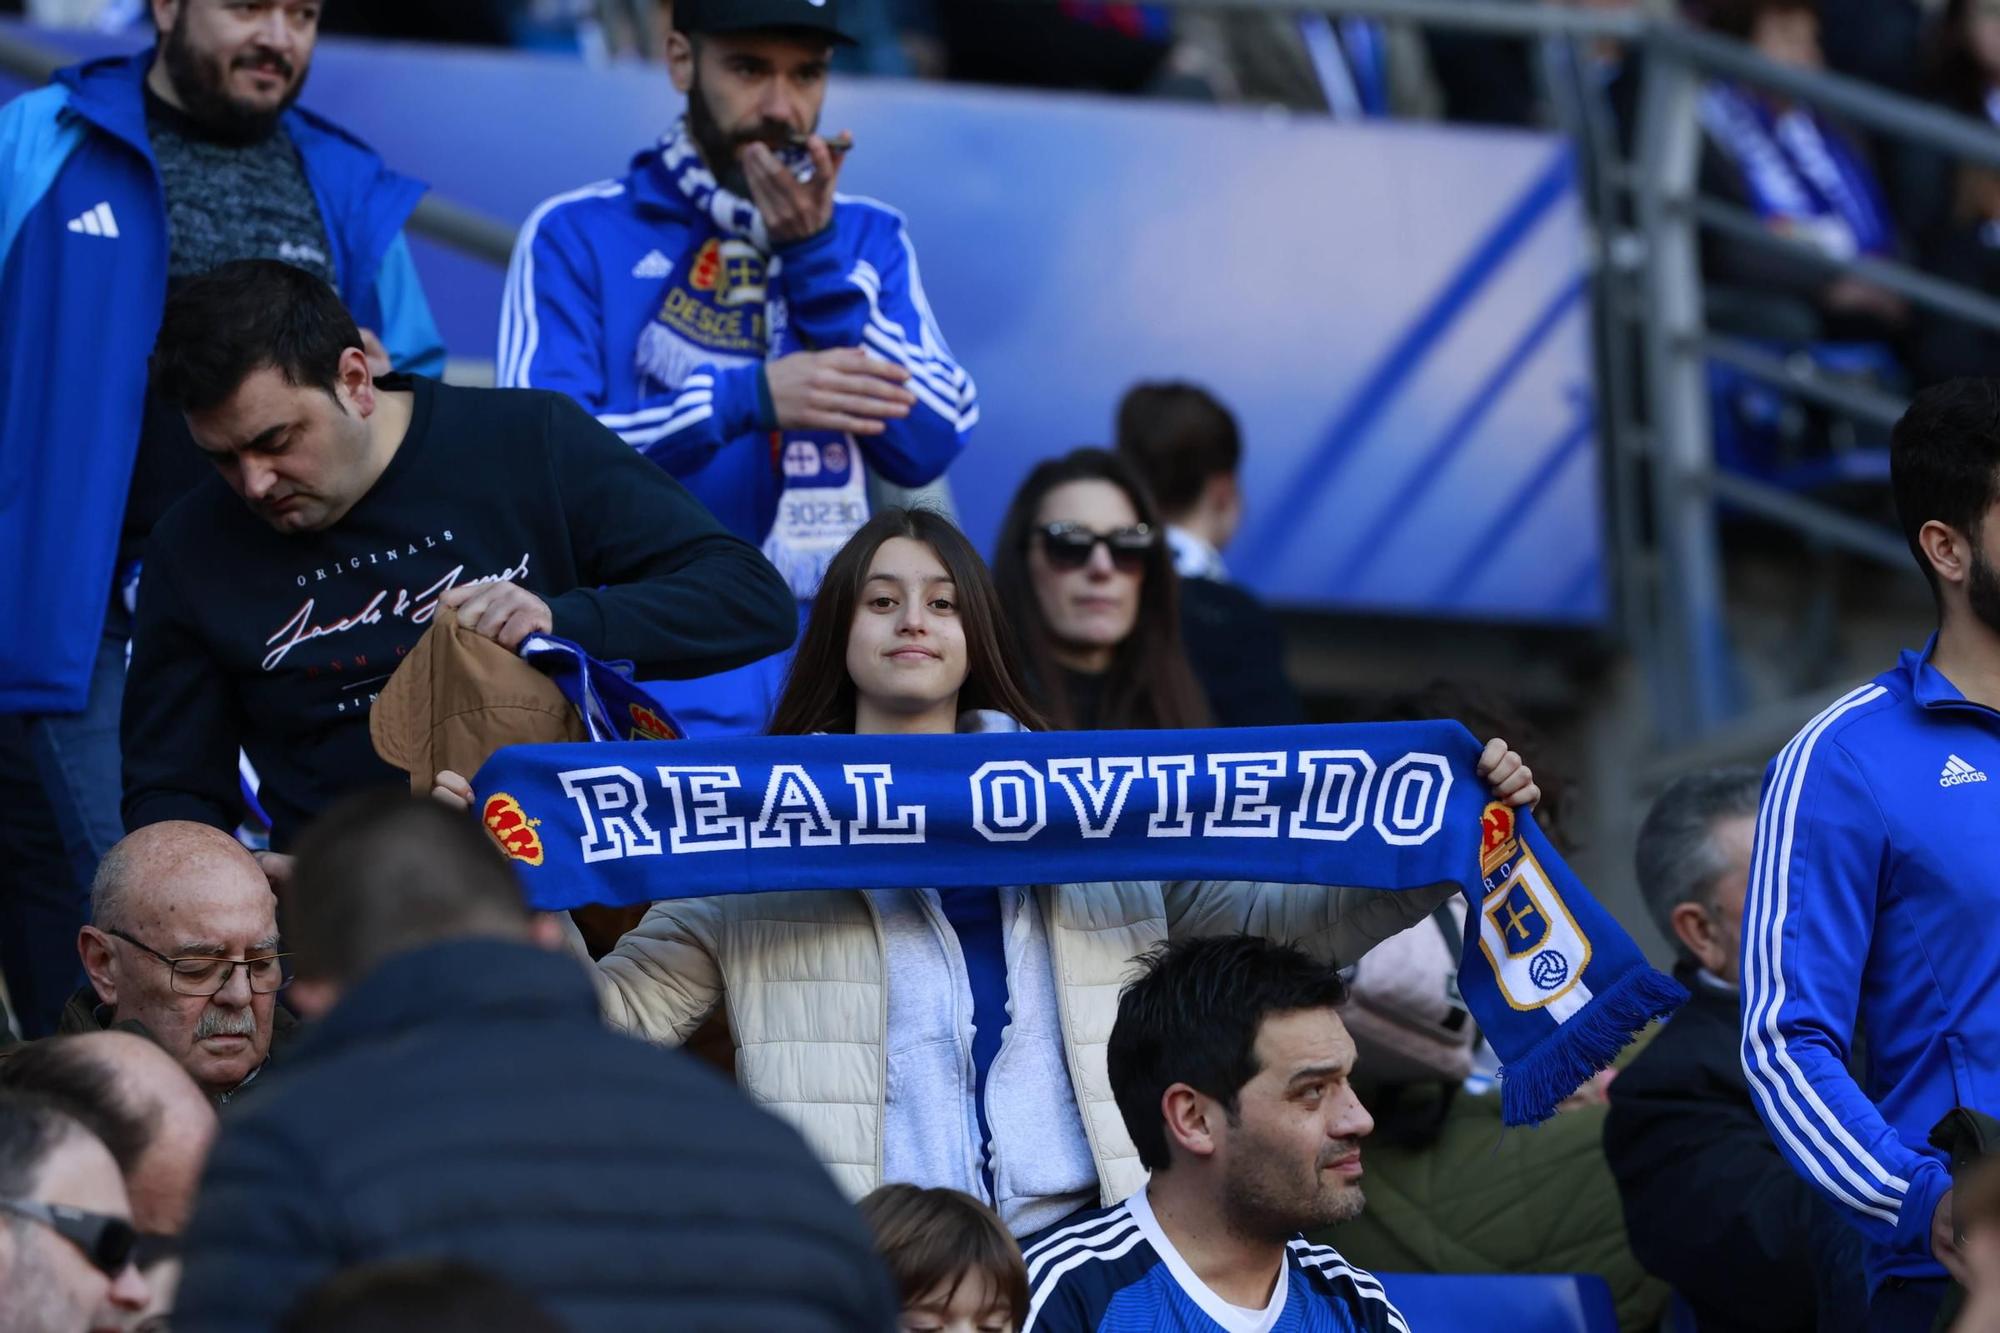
(1523,1303)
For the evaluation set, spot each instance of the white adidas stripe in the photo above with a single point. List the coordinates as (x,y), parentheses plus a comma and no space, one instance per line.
(520,326)
(1055,1275)
(1772,1072)
(1092,1235)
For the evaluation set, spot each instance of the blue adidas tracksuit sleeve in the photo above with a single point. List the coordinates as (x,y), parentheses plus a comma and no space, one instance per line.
(409,333)
(1809,922)
(552,337)
(858,286)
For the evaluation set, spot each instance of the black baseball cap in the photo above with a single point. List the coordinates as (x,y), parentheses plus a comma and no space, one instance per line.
(821,16)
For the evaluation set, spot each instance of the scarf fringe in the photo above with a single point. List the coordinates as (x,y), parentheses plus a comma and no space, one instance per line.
(1532,1085)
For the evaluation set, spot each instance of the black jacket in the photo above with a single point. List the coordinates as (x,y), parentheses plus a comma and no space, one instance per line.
(466,1101)
(1238,653)
(1710,1206)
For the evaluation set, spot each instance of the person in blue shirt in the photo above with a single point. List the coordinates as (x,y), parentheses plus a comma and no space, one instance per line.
(739,323)
(1875,883)
(120,181)
(1230,1066)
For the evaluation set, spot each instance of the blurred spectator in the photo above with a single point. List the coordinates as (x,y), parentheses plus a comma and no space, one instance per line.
(1959,202)
(956,1268)
(1079,44)
(347,509)
(184,943)
(1806,179)
(128,176)
(139,1101)
(460,1098)
(969,1064)
(712,298)
(1089,588)
(1709,1204)
(1877,40)
(419,1296)
(1352,68)
(66,1236)
(1230,1067)
(1187,450)
(157,1124)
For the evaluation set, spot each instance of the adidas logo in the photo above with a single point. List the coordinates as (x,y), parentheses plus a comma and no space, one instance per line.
(1957,773)
(96,222)
(654,265)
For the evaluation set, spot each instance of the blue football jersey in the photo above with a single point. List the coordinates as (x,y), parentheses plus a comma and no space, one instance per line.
(1115,1271)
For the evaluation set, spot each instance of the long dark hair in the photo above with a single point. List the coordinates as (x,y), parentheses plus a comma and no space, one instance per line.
(1150,683)
(819,693)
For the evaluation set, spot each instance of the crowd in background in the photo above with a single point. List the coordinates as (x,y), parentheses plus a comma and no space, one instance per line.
(301,1057)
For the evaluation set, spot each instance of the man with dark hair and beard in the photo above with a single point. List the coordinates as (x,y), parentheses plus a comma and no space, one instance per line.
(1230,1067)
(1875,882)
(735,321)
(123,179)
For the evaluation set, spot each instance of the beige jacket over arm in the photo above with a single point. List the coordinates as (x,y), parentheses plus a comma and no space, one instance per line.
(801,976)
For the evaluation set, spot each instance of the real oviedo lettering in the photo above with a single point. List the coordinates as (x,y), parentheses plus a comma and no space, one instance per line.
(625,811)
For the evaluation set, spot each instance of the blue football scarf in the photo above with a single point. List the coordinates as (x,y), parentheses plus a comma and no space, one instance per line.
(612,707)
(1556,984)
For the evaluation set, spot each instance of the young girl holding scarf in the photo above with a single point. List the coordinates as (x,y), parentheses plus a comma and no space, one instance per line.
(948,1038)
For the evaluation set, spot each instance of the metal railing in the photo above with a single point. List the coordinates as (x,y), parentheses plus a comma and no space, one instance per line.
(1649,217)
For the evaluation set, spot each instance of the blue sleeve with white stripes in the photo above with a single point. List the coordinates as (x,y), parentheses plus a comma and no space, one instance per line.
(862,289)
(552,336)
(1821,854)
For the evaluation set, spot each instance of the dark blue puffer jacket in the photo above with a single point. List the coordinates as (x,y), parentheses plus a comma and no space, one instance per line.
(466,1101)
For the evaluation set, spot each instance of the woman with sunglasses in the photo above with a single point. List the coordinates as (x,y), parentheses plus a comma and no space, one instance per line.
(1089,587)
(944,1038)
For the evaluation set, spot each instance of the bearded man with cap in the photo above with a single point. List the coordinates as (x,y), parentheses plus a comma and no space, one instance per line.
(736,321)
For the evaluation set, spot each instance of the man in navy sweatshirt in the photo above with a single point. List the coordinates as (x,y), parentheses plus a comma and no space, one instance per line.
(1875,883)
(345,509)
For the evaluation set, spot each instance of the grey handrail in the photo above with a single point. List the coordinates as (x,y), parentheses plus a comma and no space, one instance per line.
(435,218)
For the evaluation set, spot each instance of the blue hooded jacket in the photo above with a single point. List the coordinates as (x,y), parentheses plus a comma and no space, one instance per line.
(83,282)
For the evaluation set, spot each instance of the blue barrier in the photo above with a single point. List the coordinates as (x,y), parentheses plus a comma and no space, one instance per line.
(1518,1303)
(1397,313)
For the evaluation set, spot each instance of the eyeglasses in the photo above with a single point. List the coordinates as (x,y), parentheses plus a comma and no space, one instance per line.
(108,1242)
(1069,545)
(205,976)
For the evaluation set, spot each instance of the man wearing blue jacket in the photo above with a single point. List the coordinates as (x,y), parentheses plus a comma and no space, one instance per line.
(1875,885)
(119,181)
(736,321)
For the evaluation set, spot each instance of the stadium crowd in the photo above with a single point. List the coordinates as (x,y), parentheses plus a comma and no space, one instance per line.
(301,1054)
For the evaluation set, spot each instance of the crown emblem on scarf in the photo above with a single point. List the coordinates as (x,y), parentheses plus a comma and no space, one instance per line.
(512,829)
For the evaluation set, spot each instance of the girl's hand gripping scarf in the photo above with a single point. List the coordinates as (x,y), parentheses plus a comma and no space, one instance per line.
(1556,984)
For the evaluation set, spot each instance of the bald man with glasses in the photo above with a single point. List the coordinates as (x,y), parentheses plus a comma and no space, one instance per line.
(183,940)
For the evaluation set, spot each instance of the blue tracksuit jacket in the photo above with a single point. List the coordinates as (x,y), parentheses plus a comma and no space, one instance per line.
(1875,889)
(79,308)
(594,267)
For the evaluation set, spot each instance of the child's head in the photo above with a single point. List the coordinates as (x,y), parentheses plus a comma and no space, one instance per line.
(956,1268)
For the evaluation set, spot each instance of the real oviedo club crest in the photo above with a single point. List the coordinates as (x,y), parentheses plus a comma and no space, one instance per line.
(1537,952)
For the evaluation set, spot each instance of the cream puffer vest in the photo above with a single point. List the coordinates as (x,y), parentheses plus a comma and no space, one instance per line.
(802,978)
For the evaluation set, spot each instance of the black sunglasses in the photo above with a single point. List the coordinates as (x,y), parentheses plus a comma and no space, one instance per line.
(108,1242)
(1069,545)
